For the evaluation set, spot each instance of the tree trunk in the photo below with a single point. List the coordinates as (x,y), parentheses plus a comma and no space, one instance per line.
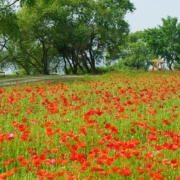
(74,62)
(81,68)
(170,66)
(44,59)
(84,61)
(45,63)
(65,66)
(92,62)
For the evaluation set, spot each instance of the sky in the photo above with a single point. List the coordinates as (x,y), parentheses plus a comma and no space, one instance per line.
(148,13)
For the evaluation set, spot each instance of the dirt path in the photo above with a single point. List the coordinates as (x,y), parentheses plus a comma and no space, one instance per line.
(12,81)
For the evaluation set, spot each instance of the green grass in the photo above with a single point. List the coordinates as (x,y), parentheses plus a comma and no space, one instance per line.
(124,121)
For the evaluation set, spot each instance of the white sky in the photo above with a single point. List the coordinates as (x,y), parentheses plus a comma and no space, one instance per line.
(148,13)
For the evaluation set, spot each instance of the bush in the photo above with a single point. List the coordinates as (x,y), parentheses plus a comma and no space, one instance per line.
(176,66)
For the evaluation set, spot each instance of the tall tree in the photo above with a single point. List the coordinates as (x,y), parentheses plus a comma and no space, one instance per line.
(81,31)
(37,26)
(102,27)
(8,30)
(164,40)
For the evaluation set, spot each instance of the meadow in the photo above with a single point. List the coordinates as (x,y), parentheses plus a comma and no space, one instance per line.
(118,126)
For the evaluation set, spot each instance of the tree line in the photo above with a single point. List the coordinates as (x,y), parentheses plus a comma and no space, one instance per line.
(161,42)
(41,37)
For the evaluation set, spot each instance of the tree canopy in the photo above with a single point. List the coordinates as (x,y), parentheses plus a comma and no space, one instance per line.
(164,40)
(73,34)
(134,52)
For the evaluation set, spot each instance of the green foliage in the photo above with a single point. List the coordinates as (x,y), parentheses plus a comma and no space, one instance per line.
(134,54)
(176,66)
(121,65)
(104,69)
(100,70)
(78,32)
(164,40)
(27,2)
(8,24)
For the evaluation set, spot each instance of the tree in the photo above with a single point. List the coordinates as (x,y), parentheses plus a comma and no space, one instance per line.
(135,53)
(79,32)
(38,27)
(8,30)
(99,26)
(164,40)
(111,27)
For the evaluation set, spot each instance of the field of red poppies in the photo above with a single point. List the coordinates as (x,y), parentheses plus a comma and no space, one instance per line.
(110,127)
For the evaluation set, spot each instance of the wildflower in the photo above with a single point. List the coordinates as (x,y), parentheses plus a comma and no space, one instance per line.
(24,163)
(125,172)
(10,136)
